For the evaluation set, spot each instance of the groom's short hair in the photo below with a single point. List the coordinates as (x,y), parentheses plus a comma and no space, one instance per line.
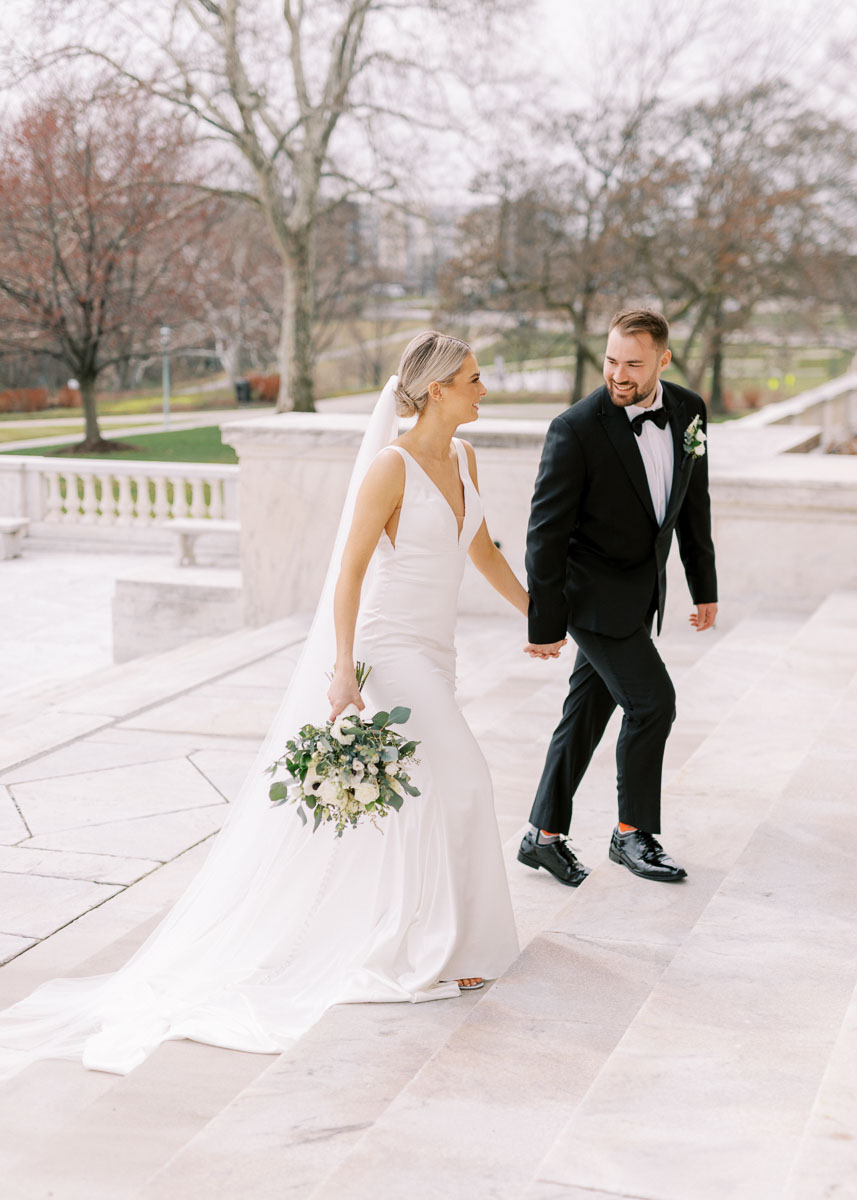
(642,320)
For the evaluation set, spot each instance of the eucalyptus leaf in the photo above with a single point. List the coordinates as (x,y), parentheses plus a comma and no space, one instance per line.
(399,715)
(301,814)
(278,791)
(380,720)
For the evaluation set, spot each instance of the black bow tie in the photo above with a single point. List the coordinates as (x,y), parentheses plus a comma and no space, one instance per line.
(659,415)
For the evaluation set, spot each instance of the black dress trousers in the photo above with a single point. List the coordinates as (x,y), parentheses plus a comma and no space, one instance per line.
(608,671)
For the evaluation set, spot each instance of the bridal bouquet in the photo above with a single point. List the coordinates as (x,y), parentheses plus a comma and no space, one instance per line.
(351,768)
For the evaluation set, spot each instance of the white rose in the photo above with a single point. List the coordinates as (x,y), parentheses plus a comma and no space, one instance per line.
(329,793)
(391,768)
(373,770)
(340,732)
(367,791)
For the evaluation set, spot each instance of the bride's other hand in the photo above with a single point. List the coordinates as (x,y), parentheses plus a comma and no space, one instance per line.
(550,650)
(344,691)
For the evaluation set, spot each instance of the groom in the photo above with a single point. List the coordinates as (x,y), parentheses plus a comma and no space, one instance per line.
(620,471)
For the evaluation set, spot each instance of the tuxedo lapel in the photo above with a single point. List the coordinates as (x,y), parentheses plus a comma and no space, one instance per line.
(614,421)
(678,424)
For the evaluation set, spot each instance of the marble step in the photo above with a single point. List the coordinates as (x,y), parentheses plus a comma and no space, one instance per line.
(50,716)
(269,1135)
(736,1051)
(486,1107)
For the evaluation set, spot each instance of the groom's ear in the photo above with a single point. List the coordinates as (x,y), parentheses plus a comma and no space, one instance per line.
(666,359)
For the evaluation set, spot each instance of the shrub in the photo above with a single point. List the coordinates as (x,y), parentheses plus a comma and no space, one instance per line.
(264,388)
(23,400)
(68,397)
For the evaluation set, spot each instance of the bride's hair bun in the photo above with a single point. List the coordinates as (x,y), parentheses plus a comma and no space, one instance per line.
(430,357)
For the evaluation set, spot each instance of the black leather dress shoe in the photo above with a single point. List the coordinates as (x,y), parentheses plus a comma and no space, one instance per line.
(556,856)
(643,854)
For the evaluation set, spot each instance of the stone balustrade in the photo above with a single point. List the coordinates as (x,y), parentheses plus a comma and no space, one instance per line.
(830,408)
(129,496)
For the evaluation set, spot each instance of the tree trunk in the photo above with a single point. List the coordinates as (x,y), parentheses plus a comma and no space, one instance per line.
(715,402)
(296,354)
(92,433)
(577,386)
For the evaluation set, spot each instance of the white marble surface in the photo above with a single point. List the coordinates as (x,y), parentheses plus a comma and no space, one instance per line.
(624,995)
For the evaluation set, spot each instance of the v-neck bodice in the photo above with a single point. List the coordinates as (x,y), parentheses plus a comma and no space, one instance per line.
(413,585)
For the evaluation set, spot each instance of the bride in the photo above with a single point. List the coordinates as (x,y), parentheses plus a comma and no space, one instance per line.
(281,923)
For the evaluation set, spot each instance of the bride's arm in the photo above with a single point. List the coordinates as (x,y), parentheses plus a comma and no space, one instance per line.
(487,558)
(379,496)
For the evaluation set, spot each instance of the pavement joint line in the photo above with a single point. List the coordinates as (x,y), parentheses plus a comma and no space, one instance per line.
(144,817)
(210,782)
(44,937)
(11,792)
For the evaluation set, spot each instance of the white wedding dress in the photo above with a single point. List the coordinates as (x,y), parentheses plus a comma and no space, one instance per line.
(281,923)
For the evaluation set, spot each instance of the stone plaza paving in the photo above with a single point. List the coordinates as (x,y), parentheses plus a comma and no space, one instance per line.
(696,1042)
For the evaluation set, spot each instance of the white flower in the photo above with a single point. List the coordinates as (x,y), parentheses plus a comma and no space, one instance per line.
(340,732)
(311,779)
(329,793)
(391,768)
(357,766)
(367,791)
(694,439)
(373,770)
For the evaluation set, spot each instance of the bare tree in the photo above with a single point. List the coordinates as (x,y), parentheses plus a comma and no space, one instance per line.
(558,239)
(275,84)
(749,195)
(234,288)
(88,244)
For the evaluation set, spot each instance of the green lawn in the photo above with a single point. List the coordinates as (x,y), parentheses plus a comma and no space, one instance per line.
(182,445)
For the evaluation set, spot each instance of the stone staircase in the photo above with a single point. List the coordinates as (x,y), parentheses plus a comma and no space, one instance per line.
(656,1043)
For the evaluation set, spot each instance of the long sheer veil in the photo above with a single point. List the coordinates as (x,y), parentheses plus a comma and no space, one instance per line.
(256,947)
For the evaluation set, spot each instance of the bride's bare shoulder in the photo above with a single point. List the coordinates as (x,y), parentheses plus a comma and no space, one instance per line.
(387,470)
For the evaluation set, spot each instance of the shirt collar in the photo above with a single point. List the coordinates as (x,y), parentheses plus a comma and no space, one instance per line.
(634,409)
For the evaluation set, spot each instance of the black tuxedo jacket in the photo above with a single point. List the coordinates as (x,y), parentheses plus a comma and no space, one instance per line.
(596,555)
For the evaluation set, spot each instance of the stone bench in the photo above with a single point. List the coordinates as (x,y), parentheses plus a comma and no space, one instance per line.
(12,530)
(188,529)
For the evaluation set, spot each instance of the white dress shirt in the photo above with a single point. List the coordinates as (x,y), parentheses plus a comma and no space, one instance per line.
(656,447)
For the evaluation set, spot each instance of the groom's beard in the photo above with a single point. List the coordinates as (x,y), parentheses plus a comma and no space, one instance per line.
(634,395)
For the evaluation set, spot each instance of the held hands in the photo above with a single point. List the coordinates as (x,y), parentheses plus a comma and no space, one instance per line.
(549,650)
(344,691)
(704,617)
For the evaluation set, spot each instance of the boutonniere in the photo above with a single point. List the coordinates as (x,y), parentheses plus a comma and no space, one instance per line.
(694,439)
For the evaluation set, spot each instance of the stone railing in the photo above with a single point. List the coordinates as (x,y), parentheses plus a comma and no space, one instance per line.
(831,409)
(128,496)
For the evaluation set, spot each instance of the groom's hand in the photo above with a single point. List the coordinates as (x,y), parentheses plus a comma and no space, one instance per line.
(549,650)
(704,617)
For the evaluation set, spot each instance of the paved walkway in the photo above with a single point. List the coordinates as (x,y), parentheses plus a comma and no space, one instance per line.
(687,1043)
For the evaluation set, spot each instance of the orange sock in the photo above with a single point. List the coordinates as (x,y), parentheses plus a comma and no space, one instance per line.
(623,828)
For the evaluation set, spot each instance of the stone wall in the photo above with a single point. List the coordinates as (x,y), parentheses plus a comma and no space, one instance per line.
(785,523)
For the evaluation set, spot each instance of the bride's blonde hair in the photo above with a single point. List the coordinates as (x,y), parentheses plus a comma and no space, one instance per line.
(430,357)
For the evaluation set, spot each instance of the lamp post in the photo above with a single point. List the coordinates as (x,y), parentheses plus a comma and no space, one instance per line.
(165,371)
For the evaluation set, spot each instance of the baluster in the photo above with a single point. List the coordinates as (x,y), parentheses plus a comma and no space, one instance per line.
(90,501)
(197,496)
(109,484)
(180,504)
(144,500)
(54,501)
(125,501)
(215,504)
(161,503)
